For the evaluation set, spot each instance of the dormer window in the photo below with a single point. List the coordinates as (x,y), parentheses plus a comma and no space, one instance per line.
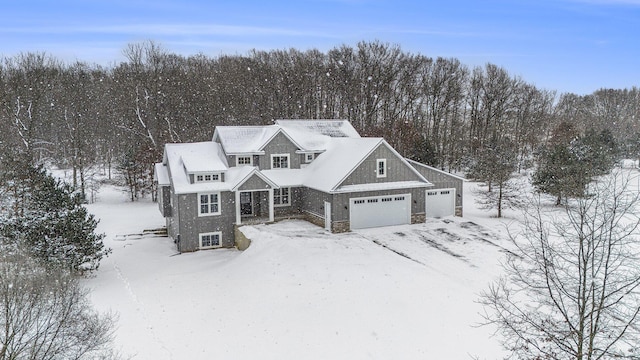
(309,157)
(207,177)
(244,160)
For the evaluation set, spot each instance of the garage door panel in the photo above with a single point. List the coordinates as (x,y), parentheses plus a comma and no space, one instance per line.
(376,211)
(440,202)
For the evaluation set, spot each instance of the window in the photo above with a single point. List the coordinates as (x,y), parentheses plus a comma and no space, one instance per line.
(244,160)
(381,169)
(208,204)
(309,157)
(280,161)
(281,197)
(207,177)
(210,240)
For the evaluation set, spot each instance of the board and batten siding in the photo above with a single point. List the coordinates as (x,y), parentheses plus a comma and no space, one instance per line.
(312,201)
(441,180)
(191,225)
(366,172)
(280,144)
(254,183)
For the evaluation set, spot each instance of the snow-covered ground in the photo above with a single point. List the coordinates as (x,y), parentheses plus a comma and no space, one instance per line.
(298,292)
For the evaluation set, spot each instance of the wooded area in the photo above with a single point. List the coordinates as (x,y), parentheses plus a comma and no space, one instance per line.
(435,110)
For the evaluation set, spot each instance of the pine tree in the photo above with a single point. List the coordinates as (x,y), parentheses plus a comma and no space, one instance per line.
(49,219)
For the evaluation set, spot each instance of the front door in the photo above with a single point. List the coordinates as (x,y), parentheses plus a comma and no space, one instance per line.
(246,205)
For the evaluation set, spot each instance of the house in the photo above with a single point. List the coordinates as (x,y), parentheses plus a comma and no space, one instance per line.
(318,170)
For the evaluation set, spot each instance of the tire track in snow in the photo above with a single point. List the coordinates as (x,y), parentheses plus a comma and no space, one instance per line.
(141,307)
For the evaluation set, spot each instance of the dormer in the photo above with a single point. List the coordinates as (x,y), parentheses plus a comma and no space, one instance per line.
(204,167)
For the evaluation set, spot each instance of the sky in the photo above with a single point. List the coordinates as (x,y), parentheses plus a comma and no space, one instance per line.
(576,46)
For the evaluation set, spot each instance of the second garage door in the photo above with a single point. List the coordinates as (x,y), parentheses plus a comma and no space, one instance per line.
(440,202)
(376,211)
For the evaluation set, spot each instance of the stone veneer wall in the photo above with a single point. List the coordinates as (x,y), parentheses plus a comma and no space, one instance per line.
(340,226)
(458,211)
(418,218)
(314,219)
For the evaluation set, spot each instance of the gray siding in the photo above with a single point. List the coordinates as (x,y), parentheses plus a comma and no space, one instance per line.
(280,144)
(191,225)
(296,204)
(442,181)
(165,201)
(365,173)
(254,183)
(313,201)
(173,221)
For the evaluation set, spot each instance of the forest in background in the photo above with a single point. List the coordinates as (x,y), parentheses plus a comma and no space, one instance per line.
(81,116)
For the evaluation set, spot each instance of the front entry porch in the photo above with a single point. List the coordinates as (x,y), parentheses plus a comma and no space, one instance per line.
(254,206)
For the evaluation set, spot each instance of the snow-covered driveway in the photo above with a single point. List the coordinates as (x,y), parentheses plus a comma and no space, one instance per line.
(405,292)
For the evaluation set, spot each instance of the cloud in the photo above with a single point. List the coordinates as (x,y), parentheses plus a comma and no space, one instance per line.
(164,29)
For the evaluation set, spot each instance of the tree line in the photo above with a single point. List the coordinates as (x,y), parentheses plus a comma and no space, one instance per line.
(435,110)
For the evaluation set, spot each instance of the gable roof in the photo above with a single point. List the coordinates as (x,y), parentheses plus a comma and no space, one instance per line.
(161,174)
(244,139)
(415,163)
(343,156)
(331,128)
(306,135)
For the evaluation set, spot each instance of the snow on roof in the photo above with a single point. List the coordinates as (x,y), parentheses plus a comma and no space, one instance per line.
(286,177)
(342,156)
(382,186)
(161,174)
(332,128)
(202,155)
(415,163)
(245,139)
(307,141)
(195,160)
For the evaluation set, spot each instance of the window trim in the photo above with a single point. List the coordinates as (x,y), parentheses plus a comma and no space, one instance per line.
(243,156)
(213,177)
(209,213)
(214,233)
(309,157)
(279,196)
(281,155)
(384,168)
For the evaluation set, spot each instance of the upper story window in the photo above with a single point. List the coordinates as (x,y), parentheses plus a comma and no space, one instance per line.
(209,204)
(244,160)
(206,177)
(381,168)
(309,157)
(280,161)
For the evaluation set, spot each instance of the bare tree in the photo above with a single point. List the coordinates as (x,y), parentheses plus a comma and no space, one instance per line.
(571,288)
(45,314)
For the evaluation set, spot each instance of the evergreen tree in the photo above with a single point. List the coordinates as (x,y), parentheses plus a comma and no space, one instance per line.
(565,170)
(49,219)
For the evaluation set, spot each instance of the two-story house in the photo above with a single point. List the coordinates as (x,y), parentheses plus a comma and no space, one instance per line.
(318,170)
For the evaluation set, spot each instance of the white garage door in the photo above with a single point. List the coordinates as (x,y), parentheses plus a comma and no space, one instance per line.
(441,202)
(375,211)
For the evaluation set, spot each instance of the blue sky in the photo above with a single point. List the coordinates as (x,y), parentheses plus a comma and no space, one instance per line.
(574,46)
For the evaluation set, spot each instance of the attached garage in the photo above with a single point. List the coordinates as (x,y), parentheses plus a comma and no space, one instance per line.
(440,202)
(376,211)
